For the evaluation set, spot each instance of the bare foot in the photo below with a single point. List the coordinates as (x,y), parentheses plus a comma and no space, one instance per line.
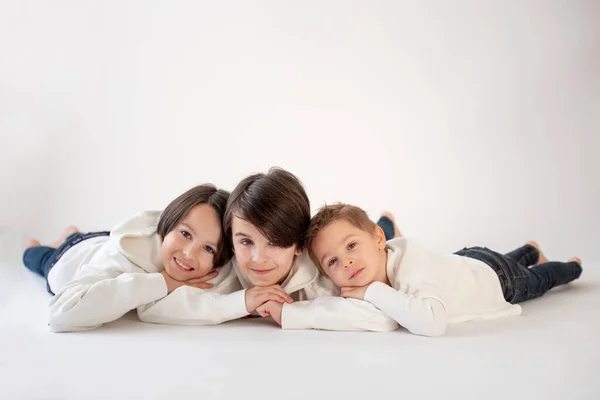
(542,258)
(575,259)
(391,217)
(68,232)
(32,243)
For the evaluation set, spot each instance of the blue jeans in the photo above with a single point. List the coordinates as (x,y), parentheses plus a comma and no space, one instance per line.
(520,283)
(388,227)
(41,259)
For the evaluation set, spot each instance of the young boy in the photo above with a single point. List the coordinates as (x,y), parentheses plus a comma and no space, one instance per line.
(421,290)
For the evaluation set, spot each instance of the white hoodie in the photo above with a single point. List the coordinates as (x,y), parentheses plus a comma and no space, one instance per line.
(121,273)
(427,292)
(317,303)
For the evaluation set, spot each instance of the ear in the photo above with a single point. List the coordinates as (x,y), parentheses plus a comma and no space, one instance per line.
(379,237)
(298,250)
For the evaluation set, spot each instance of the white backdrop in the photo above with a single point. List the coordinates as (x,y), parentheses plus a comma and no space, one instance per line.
(475,122)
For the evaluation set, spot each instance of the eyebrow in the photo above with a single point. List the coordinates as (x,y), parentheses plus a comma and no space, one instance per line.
(242,234)
(341,241)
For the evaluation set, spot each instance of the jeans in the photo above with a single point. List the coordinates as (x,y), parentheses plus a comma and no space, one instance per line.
(41,259)
(388,227)
(520,283)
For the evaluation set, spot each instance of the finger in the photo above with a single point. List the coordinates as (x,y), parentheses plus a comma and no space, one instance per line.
(204,278)
(280,292)
(264,297)
(262,312)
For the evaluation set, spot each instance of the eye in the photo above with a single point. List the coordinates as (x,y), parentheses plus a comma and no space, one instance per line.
(186,234)
(209,249)
(351,245)
(246,242)
(331,262)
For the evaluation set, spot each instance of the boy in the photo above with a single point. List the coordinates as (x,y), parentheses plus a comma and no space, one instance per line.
(421,290)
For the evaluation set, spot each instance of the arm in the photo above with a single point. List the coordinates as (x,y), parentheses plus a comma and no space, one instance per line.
(422,314)
(100,293)
(335,313)
(192,306)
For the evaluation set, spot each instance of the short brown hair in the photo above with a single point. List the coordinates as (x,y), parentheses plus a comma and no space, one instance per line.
(179,208)
(275,203)
(328,214)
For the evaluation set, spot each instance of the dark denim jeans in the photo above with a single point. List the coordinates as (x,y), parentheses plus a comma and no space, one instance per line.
(41,259)
(520,283)
(388,227)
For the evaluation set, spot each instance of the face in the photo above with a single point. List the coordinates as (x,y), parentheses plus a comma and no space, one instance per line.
(188,251)
(349,255)
(262,263)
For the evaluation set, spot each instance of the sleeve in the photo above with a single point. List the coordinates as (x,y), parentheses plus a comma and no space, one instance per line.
(421,313)
(335,313)
(102,292)
(188,305)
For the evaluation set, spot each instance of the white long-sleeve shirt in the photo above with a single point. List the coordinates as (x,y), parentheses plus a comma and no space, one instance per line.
(107,278)
(304,284)
(430,290)
(427,292)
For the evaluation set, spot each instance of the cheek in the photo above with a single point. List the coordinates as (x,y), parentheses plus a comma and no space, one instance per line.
(242,255)
(168,245)
(206,261)
(284,258)
(337,277)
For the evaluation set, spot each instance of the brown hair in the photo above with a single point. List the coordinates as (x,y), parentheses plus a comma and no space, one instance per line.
(328,214)
(275,203)
(179,208)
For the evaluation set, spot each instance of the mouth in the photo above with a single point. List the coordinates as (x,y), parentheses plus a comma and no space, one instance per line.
(261,271)
(357,272)
(182,265)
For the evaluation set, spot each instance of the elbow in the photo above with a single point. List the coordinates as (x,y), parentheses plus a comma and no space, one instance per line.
(433,329)
(436,324)
(59,322)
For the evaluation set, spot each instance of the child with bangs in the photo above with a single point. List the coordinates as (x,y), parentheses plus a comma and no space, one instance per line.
(421,290)
(266,219)
(171,266)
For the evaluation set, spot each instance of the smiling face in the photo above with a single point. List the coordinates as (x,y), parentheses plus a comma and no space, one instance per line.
(261,262)
(188,250)
(349,255)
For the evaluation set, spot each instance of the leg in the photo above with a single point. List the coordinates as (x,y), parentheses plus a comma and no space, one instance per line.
(39,259)
(520,283)
(529,283)
(387,223)
(525,255)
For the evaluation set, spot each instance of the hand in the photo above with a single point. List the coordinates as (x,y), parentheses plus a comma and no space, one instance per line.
(354,292)
(257,296)
(271,308)
(200,282)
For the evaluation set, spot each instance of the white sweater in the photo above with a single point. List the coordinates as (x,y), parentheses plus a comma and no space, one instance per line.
(304,283)
(111,277)
(428,291)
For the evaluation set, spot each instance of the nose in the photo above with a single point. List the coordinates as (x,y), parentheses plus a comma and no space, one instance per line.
(348,263)
(258,255)
(189,250)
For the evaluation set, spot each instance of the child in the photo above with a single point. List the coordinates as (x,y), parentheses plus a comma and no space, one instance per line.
(266,218)
(99,276)
(421,290)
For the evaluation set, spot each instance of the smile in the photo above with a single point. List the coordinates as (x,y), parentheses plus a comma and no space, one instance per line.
(182,266)
(261,271)
(355,273)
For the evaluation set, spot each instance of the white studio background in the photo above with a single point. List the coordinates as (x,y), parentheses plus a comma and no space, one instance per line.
(475,122)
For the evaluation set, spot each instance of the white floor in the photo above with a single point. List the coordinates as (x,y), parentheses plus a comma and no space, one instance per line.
(552,351)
